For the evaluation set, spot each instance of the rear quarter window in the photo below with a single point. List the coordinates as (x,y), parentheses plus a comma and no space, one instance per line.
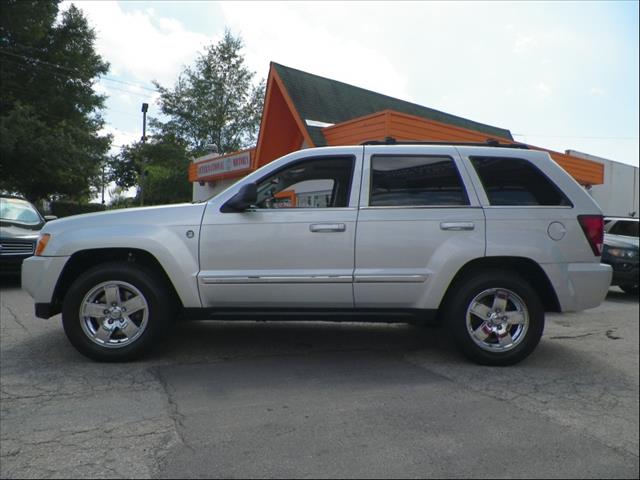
(517,182)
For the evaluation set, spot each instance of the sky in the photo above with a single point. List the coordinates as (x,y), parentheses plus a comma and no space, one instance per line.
(559,75)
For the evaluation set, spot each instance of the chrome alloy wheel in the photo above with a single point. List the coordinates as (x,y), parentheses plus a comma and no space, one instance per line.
(497,320)
(114,314)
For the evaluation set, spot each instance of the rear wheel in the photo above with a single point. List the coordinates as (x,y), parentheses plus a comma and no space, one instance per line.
(116,312)
(495,318)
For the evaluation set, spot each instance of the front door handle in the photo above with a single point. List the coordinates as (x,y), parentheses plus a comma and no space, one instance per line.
(457,226)
(327,227)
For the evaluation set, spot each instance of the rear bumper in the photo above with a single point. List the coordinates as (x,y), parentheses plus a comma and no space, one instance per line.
(579,286)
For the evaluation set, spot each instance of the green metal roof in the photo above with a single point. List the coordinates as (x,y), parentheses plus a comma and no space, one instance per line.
(325,100)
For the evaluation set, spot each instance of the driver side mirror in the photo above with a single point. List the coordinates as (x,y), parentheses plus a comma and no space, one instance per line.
(246,196)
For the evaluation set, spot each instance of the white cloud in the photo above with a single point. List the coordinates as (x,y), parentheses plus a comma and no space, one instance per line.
(596,92)
(120,137)
(314,38)
(141,44)
(543,89)
(524,43)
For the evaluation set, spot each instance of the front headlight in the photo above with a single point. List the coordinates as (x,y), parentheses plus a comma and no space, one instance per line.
(43,239)
(622,252)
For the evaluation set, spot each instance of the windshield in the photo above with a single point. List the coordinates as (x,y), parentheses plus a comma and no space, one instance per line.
(15,210)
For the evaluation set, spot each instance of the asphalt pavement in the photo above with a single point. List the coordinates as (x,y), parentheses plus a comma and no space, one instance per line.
(293,399)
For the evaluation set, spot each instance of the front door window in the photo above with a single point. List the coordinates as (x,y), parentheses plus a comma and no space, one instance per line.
(316,183)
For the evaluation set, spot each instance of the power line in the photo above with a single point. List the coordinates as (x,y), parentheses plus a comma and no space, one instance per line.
(129,83)
(63,75)
(73,70)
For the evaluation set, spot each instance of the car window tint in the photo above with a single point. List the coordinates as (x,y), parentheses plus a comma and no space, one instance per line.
(517,182)
(315,183)
(404,180)
(622,227)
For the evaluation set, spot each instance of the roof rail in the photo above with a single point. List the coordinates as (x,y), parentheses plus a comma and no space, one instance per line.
(491,142)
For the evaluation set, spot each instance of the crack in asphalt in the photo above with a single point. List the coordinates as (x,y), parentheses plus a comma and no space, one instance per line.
(15,318)
(570,337)
(174,411)
(610,334)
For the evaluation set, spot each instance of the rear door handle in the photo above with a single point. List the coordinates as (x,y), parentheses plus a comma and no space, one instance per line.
(457,226)
(327,227)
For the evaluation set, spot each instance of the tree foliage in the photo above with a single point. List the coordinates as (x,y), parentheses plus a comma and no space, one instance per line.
(49,112)
(213,102)
(161,165)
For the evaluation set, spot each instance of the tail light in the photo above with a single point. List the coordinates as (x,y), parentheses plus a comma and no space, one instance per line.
(593,228)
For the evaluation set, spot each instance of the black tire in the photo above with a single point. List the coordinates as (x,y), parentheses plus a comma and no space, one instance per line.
(158,307)
(632,289)
(506,284)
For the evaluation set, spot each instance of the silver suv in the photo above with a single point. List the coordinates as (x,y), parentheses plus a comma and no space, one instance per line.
(482,239)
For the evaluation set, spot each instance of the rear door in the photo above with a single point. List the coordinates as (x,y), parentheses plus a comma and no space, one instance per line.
(419,221)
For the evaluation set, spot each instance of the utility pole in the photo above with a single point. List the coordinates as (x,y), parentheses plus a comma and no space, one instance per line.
(145,107)
(102,182)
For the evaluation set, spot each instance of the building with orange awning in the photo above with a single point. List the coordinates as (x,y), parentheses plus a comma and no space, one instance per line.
(302,110)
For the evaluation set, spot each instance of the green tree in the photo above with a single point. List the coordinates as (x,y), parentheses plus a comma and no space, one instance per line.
(213,102)
(161,165)
(49,112)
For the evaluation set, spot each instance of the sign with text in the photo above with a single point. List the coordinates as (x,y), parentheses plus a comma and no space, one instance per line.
(231,163)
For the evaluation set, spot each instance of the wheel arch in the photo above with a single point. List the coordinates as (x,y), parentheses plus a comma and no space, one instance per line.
(83,260)
(526,268)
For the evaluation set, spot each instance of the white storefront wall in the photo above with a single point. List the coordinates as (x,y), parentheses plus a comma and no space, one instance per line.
(618,195)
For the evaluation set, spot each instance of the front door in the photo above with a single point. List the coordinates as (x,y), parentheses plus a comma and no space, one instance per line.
(295,249)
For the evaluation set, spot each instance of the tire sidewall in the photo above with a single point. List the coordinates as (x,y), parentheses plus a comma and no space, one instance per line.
(153,291)
(466,291)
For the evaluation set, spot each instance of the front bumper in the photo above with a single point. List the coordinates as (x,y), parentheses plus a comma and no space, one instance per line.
(625,271)
(39,278)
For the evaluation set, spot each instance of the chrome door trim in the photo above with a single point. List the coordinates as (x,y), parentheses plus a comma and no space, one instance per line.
(278,279)
(390,278)
(498,207)
(417,207)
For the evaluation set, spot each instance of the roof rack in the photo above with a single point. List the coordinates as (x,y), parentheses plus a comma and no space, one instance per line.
(491,142)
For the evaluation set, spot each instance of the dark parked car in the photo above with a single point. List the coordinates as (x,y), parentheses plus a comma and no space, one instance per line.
(20,224)
(621,251)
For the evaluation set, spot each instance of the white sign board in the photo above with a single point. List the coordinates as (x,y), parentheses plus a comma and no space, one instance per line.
(217,166)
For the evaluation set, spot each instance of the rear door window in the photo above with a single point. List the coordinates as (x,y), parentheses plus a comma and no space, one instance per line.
(415,180)
(517,182)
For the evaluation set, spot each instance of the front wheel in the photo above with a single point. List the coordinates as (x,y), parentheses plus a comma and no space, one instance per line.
(116,312)
(495,318)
